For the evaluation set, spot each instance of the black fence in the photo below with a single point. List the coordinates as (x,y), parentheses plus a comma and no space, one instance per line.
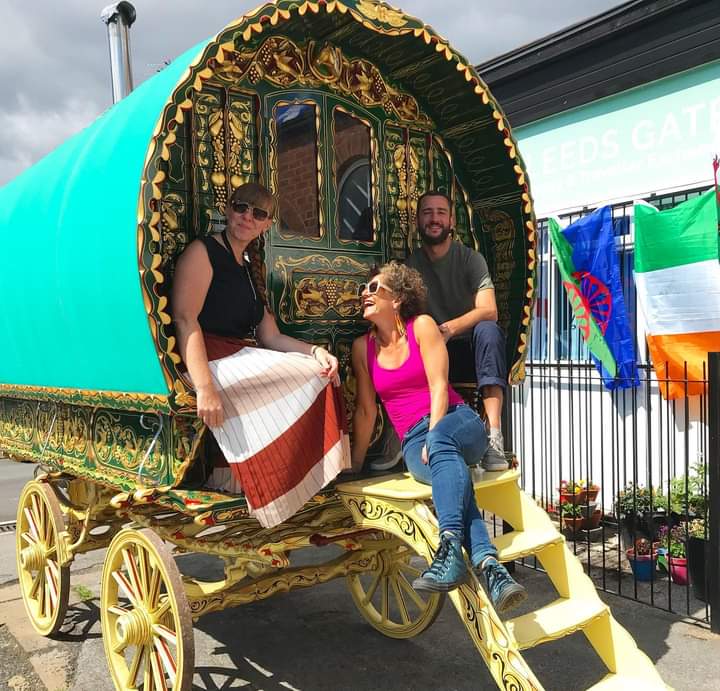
(625,474)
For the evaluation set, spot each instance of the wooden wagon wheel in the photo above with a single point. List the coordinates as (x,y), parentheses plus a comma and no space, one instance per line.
(386,598)
(146,622)
(44,584)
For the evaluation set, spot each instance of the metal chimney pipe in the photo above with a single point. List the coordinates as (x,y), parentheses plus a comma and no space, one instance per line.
(119,17)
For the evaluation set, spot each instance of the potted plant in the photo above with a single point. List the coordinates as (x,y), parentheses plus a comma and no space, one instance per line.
(640,512)
(674,540)
(698,555)
(580,492)
(572,517)
(642,557)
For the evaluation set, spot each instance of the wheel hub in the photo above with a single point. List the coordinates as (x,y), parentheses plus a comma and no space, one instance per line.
(134,628)
(33,557)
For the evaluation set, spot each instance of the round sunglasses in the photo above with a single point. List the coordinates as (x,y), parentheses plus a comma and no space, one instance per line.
(372,287)
(241,207)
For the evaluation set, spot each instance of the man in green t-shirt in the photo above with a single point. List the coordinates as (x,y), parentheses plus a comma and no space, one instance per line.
(461,299)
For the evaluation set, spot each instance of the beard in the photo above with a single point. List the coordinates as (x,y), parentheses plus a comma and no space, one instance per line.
(434,239)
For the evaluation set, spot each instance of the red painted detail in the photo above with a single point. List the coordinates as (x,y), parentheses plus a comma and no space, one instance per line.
(596,298)
(579,308)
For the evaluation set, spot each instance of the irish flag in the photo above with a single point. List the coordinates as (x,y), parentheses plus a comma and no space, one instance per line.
(677,276)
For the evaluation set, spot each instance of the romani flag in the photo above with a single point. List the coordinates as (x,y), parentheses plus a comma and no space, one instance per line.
(587,259)
(677,275)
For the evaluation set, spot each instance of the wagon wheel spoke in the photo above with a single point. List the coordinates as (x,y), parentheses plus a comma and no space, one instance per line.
(32,524)
(153,591)
(126,587)
(29,538)
(411,592)
(157,673)
(51,584)
(163,609)
(385,599)
(412,570)
(134,667)
(373,587)
(165,656)
(402,607)
(147,672)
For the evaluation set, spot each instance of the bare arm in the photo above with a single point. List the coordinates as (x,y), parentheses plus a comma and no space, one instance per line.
(193,274)
(435,360)
(269,336)
(365,407)
(485,309)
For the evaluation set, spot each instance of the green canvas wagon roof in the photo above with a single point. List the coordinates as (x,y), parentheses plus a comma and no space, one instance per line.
(83,316)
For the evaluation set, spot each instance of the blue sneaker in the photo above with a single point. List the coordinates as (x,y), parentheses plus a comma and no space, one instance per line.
(504,592)
(448,569)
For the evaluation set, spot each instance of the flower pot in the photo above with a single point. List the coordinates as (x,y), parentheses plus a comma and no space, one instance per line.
(698,556)
(593,521)
(588,510)
(643,565)
(678,570)
(580,498)
(572,523)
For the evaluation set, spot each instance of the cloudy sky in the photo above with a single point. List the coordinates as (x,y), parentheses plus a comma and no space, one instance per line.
(55,67)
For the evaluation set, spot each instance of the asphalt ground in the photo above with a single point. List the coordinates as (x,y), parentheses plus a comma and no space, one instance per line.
(314,639)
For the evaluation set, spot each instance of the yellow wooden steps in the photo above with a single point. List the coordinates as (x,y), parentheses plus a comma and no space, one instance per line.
(524,543)
(403,486)
(558,619)
(578,608)
(623,682)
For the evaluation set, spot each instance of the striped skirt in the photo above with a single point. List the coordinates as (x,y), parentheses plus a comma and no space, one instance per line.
(285,432)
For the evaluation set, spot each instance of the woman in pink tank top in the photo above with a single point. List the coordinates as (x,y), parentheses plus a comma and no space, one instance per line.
(403,359)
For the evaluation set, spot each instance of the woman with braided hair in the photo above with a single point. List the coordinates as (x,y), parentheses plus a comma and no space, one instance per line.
(219,302)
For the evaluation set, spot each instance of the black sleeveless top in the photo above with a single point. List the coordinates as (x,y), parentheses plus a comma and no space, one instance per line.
(232,306)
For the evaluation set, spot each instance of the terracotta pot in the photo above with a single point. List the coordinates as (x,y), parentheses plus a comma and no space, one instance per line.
(572,523)
(678,570)
(580,498)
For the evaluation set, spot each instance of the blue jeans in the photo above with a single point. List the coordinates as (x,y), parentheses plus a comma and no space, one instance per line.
(458,440)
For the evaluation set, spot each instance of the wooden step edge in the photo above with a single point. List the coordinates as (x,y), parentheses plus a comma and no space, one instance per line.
(403,486)
(527,543)
(556,620)
(623,682)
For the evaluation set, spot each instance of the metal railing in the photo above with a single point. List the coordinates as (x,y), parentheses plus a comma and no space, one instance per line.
(649,460)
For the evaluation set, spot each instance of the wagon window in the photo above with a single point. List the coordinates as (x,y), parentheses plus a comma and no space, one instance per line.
(351,145)
(297,169)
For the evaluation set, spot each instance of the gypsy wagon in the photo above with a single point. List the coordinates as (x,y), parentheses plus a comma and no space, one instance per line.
(348,111)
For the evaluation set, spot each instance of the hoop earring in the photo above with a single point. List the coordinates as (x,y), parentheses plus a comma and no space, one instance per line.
(400,325)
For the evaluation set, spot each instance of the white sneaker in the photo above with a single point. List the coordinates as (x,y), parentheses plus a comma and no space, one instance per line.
(494,459)
(386,464)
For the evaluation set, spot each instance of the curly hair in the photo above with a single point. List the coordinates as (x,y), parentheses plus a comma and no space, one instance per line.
(407,284)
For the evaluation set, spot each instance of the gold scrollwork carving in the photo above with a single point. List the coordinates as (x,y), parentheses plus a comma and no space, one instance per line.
(382,13)
(502,230)
(117,442)
(331,296)
(284,63)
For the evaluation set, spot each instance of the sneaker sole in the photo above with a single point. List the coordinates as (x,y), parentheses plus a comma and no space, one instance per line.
(513,596)
(432,587)
(494,467)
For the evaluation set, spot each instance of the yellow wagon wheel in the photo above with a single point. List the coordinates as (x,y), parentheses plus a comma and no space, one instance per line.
(146,621)
(44,584)
(386,598)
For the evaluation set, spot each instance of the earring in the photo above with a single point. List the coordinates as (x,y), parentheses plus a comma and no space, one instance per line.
(399,324)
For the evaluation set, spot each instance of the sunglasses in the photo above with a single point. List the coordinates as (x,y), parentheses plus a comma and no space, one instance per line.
(241,207)
(372,288)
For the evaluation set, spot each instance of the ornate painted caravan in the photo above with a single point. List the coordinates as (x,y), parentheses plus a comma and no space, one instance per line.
(348,111)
